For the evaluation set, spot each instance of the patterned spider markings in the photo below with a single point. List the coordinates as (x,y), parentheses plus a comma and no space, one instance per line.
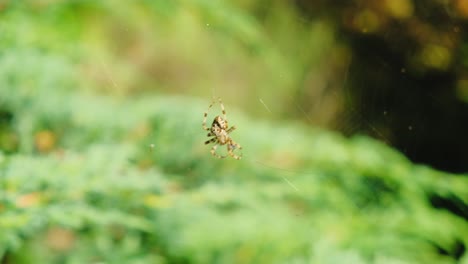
(220,131)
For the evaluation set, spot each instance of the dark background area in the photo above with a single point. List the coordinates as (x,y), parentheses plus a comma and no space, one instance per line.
(407,76)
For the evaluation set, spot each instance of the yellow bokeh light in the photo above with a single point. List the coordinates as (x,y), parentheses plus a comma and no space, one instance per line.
(399,9)
(367,21)
(436,56)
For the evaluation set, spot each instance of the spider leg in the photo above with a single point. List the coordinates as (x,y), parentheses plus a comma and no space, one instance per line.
(210,141)
(210,134)
(232,146)
(222,108)
(205,115)
(213,152)
(231,129)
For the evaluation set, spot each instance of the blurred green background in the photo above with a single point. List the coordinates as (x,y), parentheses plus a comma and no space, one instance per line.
(352,117)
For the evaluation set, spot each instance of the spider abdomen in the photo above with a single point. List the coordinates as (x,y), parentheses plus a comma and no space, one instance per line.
(220,122)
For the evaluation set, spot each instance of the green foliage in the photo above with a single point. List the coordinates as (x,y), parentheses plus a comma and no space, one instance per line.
(298,195)
(98,177)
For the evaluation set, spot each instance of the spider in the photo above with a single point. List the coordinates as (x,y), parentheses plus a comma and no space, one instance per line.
(220,131)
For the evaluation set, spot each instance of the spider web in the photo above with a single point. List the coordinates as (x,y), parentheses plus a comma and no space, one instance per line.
(291,175)
(271,111)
